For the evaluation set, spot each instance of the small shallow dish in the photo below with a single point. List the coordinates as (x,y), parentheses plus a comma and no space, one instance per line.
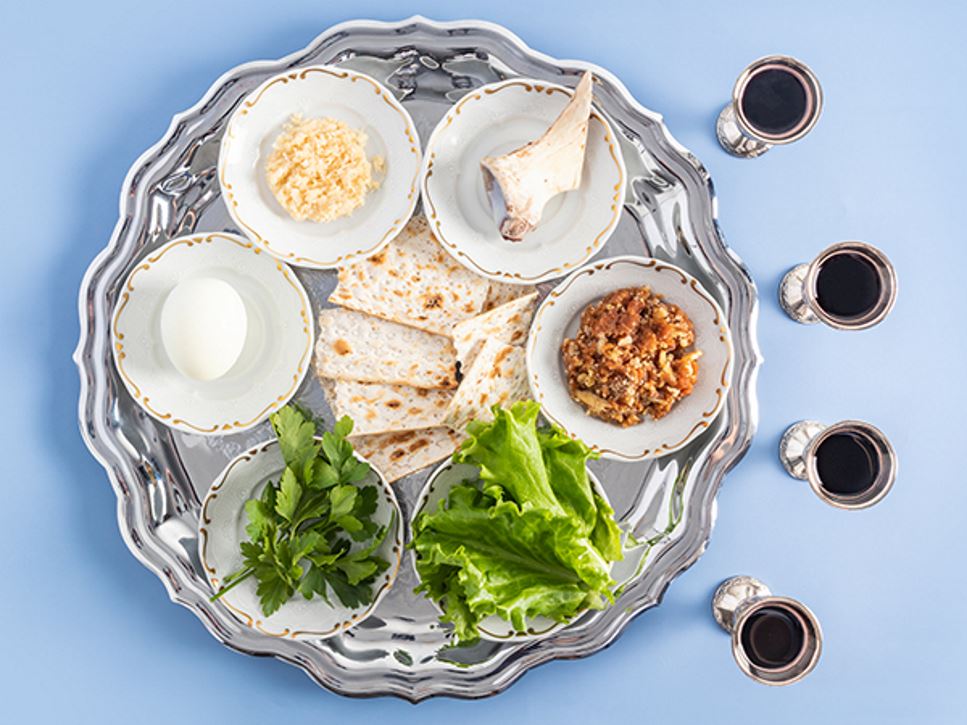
(273,361)
(316,92)
(559,317)
(496,119)
(222,528)
(494,628)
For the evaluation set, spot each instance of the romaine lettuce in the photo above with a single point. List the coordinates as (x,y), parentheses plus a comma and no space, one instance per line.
(530,538)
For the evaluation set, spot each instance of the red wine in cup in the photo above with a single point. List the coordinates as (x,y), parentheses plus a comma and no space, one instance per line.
(776,101)
(772,637)
(848,286)
(847,464)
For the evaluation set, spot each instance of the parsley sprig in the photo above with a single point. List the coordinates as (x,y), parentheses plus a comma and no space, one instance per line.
(301,528)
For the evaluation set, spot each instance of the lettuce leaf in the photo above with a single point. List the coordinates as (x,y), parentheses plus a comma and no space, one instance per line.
(509,453)
(530,538)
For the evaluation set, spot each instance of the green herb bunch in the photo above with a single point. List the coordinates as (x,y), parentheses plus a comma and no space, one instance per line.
(302,527)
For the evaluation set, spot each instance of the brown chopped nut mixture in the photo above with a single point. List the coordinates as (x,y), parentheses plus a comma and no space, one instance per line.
(631,357)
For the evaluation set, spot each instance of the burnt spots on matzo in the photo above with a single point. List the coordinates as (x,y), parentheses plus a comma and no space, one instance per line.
(433,301)
(418,444)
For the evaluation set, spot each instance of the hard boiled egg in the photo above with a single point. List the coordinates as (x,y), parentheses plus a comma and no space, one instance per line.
(203,327)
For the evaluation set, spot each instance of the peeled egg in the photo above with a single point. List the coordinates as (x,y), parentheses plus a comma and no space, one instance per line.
(203,327)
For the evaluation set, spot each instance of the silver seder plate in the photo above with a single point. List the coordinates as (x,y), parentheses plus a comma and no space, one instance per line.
(160,476)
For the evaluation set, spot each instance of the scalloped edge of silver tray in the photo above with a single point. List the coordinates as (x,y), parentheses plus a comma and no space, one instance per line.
(97,420)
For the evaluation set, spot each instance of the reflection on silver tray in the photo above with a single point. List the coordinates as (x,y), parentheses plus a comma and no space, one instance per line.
(159,474)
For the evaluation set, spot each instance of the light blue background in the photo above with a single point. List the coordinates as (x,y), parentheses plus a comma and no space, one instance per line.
(88,635)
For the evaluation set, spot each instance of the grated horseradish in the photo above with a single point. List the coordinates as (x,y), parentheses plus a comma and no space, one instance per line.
(318,169)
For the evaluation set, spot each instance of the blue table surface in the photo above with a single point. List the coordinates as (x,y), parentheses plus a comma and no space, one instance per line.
(89,635)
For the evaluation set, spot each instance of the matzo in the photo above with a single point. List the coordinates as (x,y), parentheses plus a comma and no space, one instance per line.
(379,408)
(399,454)
(508,323)
(497,376)
(413,281)
(354,346)
(500,293)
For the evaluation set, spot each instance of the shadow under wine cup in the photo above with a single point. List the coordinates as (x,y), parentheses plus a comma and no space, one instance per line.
(850,465)
(776,100)
(775,640)
(849,286)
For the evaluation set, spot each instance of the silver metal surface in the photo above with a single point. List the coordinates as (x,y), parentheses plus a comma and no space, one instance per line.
(733,139)
(740,138)
(159,475)
(733,592)
(737,599)
(793,444)
(791,297)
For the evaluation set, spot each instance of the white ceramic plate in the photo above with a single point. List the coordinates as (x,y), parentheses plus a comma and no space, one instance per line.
(222,529)
(558,318)
(272,363)
(494,628)
(496,119)
(317,92)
